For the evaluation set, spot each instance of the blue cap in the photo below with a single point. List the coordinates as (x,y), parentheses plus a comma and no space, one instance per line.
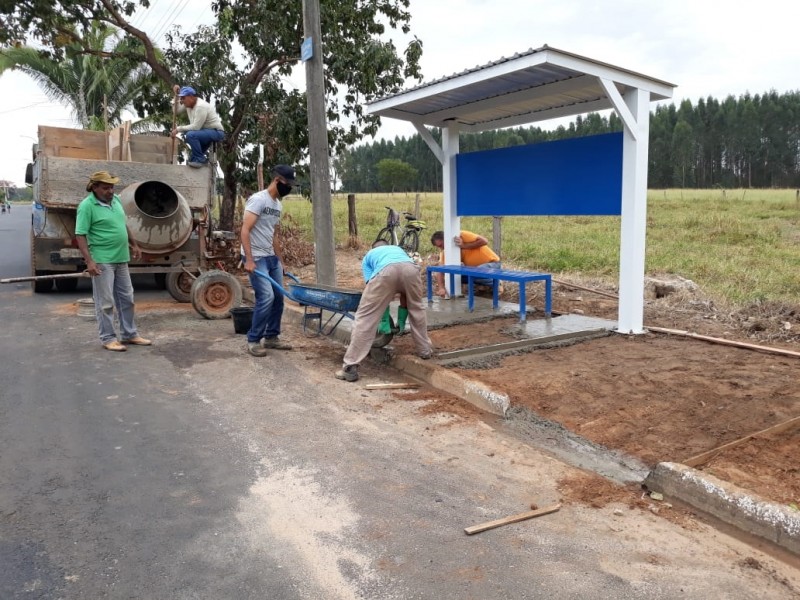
(187,91)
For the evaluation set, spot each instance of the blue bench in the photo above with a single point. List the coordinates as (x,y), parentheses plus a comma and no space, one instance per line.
(496,275)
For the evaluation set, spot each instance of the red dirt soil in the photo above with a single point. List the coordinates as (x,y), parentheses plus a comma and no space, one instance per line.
(654,396)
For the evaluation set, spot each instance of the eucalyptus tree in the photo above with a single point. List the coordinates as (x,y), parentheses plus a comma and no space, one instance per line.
(244,61)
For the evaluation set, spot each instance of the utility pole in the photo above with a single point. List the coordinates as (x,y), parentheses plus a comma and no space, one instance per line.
(322,213)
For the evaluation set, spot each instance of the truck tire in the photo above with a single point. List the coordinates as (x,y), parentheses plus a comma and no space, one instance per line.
(66,285)
(179,285)
(215,293)
(42,286)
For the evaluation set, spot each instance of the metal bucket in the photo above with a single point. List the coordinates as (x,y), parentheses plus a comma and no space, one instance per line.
(86,308)
(159,218)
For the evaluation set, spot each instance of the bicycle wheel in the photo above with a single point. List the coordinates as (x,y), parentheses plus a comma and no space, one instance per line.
(385,234)
(410,241)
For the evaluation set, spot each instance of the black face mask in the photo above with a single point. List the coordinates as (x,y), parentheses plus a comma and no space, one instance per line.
(284,189)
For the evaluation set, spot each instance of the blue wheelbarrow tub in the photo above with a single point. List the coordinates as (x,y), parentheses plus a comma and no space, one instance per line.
(325,296)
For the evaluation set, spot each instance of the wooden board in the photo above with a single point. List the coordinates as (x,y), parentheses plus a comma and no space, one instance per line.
(530,514)
(72,143)
(392,386)
(63,180)
(703,458)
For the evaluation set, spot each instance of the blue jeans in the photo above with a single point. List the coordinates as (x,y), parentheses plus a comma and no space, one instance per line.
(199,140)
(268,310)
(113,288)
(490,266)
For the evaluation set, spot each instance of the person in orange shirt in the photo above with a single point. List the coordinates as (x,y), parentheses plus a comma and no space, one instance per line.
(475,252)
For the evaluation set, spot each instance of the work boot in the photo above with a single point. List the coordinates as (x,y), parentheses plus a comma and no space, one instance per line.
(385,326)
(255,349)
(115,346)
(402,315)
(347,373)
(137,341)
(275,343)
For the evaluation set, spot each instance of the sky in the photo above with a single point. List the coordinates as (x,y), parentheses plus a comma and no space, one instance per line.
(705,47)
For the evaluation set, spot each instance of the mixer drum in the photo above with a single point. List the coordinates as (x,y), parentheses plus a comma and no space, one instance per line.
(158,217)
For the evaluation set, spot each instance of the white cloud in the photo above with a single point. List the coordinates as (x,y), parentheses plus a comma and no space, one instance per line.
(706,48)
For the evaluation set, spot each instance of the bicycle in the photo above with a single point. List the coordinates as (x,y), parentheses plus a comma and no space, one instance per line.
(408,240)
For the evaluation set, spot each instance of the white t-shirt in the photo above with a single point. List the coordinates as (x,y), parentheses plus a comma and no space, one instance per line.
(268,210)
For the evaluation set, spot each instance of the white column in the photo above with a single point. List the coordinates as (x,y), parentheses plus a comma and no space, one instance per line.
(634,213)
(452,223)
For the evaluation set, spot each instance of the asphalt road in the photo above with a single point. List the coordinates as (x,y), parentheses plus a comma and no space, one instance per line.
(191,470)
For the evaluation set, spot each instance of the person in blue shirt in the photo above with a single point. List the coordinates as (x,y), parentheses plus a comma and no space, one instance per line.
(388,271)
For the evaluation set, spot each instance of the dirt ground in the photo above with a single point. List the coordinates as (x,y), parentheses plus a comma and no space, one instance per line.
(655,396)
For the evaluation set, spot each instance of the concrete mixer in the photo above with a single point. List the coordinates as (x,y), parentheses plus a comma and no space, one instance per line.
(167,208)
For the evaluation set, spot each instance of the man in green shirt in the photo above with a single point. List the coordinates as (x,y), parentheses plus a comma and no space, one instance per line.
(103,238)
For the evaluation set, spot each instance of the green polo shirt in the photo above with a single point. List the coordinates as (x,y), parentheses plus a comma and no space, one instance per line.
(105,229)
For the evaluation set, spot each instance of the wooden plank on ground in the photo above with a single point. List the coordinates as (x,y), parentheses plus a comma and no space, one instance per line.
(392,386)
(723,341)
(703,458)
(530,514)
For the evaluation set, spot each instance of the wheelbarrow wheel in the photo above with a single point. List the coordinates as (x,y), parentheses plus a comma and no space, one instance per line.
(215,293)
(383,339)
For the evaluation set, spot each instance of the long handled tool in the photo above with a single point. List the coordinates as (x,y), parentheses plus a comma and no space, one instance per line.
(174,123)
(43,277)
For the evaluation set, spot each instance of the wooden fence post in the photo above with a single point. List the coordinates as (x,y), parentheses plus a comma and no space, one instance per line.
(497,235)
(352,220)
(417,214)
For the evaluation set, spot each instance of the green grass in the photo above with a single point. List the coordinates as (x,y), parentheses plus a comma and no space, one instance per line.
(740,246)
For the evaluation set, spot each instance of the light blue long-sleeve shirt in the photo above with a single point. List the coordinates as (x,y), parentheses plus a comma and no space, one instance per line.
(380,257)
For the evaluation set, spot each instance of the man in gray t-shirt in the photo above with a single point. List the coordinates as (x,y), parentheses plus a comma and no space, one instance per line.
(261,251)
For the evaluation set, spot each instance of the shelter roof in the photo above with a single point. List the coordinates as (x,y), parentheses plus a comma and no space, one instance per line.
(537,85)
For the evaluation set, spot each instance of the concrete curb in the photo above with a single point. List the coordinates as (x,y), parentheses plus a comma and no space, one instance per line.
(728,502)
(474,392)
(723,500)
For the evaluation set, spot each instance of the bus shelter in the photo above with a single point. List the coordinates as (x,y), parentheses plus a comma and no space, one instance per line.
(598,175)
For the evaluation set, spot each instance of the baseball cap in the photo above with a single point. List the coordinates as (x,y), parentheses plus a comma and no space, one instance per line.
(187,91)
(284,171)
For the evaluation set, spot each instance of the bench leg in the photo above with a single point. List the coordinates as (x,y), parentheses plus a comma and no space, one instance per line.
(522,303)
(548,297)
(471,293)
(495,285)
(430,287)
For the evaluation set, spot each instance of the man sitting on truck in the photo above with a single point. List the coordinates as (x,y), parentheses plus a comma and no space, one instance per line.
(103,238)
(204,128)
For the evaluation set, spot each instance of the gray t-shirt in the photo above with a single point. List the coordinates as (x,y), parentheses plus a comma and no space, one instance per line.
(268,210)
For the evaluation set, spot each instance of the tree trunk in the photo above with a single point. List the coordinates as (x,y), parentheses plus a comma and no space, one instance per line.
(227,207)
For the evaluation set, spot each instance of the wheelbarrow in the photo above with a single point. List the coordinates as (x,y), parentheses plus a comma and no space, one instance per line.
(315,299)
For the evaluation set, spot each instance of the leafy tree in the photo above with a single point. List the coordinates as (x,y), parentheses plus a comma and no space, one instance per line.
(250,92)
(395,175)
(90,84)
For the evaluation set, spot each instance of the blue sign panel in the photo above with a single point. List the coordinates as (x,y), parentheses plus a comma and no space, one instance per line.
(306,49)
(580,176)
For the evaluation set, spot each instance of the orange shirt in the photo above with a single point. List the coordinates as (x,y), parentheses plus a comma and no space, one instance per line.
(473,257)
